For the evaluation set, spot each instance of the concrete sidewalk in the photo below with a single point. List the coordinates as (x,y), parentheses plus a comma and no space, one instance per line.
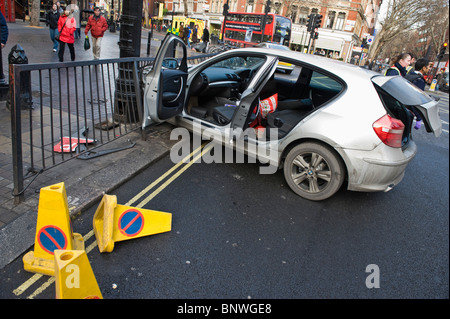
(85,180)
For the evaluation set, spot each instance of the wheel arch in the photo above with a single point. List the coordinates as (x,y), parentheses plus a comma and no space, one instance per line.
(294,143)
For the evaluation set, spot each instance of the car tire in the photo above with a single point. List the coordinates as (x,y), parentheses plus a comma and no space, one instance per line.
(313,171)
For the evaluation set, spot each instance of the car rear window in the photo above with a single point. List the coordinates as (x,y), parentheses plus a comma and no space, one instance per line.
(402,90)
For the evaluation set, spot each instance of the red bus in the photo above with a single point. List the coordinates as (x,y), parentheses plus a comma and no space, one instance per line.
(245,29)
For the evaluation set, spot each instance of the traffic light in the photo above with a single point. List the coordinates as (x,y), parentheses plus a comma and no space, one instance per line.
(442,52)
(225,9)
(310,22)
(364,44)
(267,9)
(317,21)
(316,35)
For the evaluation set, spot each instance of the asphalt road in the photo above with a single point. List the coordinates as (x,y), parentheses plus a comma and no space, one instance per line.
(238,234)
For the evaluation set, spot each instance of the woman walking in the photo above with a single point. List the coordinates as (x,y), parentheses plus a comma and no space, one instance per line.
(52,19)
(66,27)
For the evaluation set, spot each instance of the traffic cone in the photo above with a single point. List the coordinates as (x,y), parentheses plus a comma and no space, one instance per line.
(74,278)
(114,223)
(53,231)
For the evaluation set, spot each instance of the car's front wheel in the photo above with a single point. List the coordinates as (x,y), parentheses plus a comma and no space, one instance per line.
(313,171)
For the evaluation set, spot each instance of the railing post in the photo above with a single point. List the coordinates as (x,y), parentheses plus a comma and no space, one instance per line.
(16,131)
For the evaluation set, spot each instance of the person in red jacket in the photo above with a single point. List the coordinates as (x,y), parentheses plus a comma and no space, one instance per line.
(98,25)
(66,27)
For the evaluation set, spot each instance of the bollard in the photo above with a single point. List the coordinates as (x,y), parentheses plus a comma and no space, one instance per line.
(17,56)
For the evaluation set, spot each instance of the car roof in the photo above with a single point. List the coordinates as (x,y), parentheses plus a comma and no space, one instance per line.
(273,45)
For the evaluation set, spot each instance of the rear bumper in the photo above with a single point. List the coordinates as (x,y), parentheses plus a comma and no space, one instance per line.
(378,170)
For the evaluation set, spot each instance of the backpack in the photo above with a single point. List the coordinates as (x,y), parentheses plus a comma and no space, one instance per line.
(411,77)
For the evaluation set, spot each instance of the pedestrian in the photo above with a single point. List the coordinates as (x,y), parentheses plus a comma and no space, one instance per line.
(416,77)
(195,34)
(205,37)
(181,31)
(59,8)
(51,20)
(4,38)
(410,67)
(66,27)
(4,30)
(97,25)
(400,63)
(187,35)
(75,10)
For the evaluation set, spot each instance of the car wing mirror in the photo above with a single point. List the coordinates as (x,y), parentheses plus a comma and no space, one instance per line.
(170,63)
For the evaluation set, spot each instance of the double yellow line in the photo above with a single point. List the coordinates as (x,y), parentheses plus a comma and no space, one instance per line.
(187,162)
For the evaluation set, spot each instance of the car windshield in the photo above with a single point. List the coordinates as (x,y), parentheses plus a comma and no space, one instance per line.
(240,62)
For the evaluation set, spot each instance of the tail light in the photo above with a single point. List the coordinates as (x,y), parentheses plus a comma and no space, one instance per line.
(389,130)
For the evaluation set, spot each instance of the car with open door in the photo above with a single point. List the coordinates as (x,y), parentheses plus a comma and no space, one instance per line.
(325,123)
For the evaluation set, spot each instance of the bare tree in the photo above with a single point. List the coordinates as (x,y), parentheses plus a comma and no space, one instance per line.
(435,24)
(186,11)
(401,16)
(35,13)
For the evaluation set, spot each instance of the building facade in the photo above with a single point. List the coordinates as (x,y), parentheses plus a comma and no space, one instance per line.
(344,23)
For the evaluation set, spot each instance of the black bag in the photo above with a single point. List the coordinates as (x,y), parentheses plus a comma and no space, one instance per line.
(87,43)
(411,77)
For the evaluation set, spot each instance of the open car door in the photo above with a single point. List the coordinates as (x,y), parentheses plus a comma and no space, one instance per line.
(240,118)
(165,83)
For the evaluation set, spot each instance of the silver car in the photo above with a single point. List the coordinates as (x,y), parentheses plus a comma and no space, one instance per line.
(333,122)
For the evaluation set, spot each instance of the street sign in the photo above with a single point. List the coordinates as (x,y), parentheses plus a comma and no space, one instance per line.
(113,223)
(51,238)
(131,222)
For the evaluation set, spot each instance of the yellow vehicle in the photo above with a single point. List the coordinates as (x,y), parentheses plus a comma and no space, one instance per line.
(191,22)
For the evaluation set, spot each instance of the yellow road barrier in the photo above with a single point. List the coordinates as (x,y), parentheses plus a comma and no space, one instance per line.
(53,231)
(113,222)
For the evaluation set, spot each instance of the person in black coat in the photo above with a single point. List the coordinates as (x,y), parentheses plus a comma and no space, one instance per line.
(205,37)
(52,18)
(416,77)
(4,39)
(421,68)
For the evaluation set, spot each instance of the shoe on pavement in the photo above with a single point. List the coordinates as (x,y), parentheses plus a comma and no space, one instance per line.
(418,125)
(54,50)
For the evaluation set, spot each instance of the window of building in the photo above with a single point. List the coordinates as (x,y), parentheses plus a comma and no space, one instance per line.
(294,10)
(330,19)
(303,16)
(340,21)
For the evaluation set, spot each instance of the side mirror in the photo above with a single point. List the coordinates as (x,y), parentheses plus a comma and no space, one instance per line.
(170,63)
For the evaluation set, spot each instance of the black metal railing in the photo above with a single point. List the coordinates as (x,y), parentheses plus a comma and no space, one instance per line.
(59,111)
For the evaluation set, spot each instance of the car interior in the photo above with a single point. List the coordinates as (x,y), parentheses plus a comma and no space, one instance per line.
(216,91)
